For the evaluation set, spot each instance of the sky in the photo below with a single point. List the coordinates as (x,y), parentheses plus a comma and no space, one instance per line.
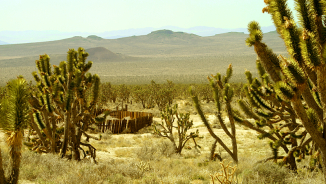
(109,15)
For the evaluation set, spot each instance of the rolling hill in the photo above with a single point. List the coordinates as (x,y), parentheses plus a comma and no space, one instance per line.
(162,52)
(97,55)
(102,54)
(158,43)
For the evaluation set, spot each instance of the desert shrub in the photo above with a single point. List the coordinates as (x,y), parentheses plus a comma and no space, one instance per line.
(182,181)
(106,136)
(152,178)
(51,169)
(165,147)
(147,129)
(117,179)
(123,152)
(154,151)
(266,173)
(148,151)
(197,176)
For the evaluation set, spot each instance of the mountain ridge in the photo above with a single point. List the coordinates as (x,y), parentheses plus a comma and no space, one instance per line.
(14,37)
(157,43)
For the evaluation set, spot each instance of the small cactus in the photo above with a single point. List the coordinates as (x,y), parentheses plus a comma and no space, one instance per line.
(172,119)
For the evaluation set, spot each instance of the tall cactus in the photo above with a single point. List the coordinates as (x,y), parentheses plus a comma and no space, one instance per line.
(220,84)
(13,119)
(268,110)
(69,94)
(301,78)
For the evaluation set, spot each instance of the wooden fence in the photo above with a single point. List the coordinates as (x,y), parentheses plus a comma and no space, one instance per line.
(121,120)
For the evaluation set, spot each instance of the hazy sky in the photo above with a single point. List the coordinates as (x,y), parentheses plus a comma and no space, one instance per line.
(108,15)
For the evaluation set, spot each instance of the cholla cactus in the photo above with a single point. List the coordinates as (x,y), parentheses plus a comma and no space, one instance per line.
(62,96)
(227,95)
(301,78)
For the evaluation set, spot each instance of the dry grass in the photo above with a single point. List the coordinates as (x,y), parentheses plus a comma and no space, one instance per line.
(145,158)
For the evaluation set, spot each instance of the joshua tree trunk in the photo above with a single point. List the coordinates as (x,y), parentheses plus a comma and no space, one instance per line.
(15,144)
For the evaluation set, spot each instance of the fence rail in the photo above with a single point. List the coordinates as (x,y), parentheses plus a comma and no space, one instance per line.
(122,120)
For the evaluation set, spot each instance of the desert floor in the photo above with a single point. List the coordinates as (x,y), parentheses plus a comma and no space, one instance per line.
(135,150)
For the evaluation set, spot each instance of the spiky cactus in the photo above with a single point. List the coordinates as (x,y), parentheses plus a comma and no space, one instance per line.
(220,84)
(172,119)
(263,106)
(68,94)
(14,116)
(301,78)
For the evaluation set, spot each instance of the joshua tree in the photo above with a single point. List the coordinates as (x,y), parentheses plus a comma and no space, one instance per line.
(223,84)
(14,116)
(67,94)
(268,110)
(300,79)
(141,94)
(171,119)
(162,94)
(108,93)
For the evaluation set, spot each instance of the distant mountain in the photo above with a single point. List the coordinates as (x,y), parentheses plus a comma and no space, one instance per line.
(159,53)
(41,36)
(101,54)
(156,43)
(94,37)
(97,55)
(3,43)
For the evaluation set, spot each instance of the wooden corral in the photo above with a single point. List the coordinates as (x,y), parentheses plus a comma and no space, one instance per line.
(120,120)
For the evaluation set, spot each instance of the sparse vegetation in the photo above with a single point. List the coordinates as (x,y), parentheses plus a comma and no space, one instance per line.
(284,104)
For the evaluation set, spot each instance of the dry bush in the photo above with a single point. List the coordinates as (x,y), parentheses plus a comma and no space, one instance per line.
(267,173)
(106,135)
(154,151)
(52,169)
(124,152)
(117,179)
(151,178)
(148,129)
(122,142)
